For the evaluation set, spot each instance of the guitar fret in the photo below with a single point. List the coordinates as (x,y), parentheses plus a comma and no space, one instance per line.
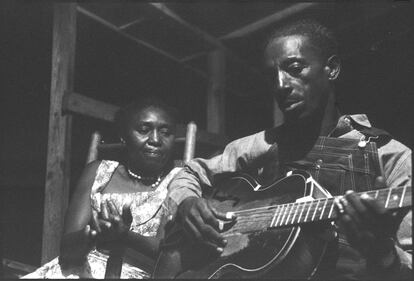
(330,211)
(388,198)
(280,214)
(284,214)
(402,196)
(307,213)
(316,208)
(274,216)
(294,215)
(290,211)
(301,212)
(323,209)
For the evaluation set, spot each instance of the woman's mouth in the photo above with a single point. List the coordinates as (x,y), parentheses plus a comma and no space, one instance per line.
(152,153)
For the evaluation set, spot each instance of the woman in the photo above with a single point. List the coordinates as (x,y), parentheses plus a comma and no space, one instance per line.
(117,206)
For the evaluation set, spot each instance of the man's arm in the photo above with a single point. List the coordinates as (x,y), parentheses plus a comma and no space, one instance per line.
(373,230)
(247,152)
(184,200)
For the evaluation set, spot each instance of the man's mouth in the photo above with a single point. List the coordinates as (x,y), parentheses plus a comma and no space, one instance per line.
(293,104)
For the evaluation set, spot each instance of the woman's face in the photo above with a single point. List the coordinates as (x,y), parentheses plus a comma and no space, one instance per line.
(150,140)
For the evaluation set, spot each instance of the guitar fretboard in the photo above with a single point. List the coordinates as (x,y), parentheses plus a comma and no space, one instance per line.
(324,209)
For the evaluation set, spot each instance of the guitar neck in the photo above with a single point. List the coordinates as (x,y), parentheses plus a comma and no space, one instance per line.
(324,210)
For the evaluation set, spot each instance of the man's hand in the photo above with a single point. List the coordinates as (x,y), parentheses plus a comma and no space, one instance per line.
(202,222)
(368,226)
(109,224)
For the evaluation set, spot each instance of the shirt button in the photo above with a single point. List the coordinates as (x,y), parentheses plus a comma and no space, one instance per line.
(318,163)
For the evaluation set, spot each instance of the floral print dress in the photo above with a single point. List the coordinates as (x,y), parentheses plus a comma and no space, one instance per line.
(147,209)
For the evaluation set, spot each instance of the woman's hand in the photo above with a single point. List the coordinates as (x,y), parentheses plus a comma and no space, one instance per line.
(369,227)
(109,224)
(80,244)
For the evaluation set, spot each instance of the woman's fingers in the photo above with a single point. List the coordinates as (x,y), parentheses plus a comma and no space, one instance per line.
(126,214)
(104,210)
(95,221)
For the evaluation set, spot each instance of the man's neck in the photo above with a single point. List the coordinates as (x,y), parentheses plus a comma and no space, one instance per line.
(330,117)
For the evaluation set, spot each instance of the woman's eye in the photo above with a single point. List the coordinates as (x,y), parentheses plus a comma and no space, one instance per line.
(165,132)
(143,130)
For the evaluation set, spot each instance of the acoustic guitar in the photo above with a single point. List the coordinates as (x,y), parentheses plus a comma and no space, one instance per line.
(281,229)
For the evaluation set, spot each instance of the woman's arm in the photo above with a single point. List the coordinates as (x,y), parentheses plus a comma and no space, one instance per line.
(78,238)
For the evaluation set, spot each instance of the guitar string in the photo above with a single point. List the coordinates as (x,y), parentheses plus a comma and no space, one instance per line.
(265,213)
(381,193)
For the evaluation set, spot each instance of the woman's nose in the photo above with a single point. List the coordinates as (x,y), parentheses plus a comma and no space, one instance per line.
(154,137)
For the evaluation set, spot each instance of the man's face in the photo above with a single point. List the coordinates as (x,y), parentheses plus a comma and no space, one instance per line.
(302,84)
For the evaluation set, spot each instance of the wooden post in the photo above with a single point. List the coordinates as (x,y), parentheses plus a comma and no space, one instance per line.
(59,136)
(215,93)
(190,141)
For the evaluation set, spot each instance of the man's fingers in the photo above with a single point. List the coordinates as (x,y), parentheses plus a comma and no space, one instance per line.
(380,182)
(192,231)
(373,205)
(349,209)
(357,209)
(203,236)
(206,229)
(225,216)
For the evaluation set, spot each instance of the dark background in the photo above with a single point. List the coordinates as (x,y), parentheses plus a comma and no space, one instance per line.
(376,79)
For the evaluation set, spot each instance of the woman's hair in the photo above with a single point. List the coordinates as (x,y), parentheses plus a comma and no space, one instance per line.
(320,36)
(125,115)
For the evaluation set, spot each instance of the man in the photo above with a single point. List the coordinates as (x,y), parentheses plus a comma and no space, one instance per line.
(344,154)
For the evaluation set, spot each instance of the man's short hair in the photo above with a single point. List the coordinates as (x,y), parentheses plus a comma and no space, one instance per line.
(320,36)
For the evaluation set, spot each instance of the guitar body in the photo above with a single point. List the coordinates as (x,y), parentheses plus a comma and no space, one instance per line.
(253,250)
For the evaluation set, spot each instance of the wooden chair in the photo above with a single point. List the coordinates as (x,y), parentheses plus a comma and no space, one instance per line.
(97,146)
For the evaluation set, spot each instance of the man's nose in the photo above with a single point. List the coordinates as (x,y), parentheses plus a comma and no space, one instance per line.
(282,80)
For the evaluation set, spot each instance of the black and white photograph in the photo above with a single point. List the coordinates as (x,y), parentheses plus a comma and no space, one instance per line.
(206,139)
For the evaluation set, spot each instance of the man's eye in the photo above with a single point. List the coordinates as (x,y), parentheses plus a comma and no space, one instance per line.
(295,69)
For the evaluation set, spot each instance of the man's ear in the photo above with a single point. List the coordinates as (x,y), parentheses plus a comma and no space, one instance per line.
(333,67)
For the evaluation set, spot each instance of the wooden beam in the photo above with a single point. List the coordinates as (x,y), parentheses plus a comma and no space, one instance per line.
(266,21)
(59,135)
(134,22)
(202,35)
(215,92)
(80,104)
(138,41)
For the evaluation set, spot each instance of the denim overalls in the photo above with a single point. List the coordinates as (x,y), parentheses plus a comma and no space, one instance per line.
(340,164)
